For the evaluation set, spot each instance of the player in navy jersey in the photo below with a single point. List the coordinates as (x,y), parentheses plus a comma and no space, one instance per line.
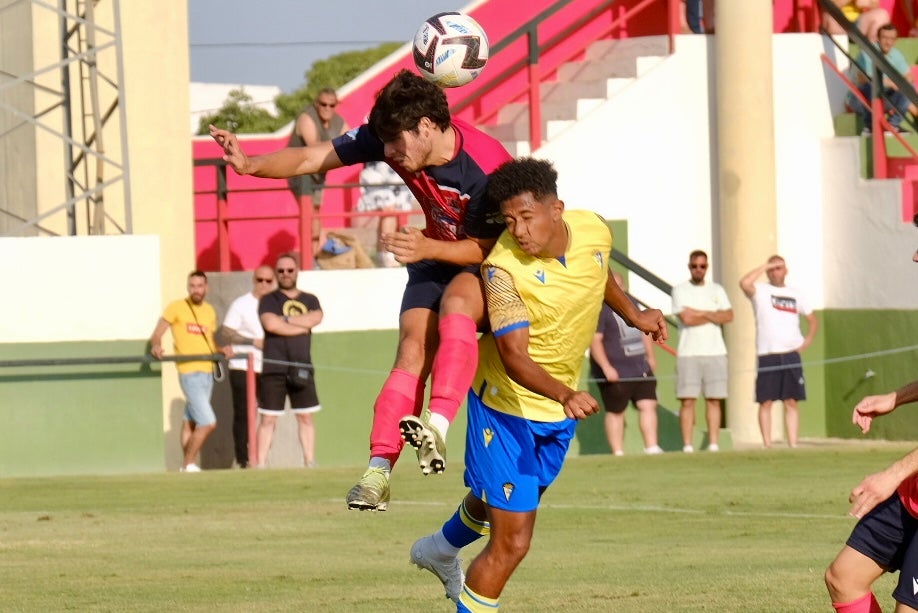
(445,163)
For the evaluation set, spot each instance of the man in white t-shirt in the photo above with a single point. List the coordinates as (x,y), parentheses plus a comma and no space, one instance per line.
(701,363)
(242,329)
(779,341)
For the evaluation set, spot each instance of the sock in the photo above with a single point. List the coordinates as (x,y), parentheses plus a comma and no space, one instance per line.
(382,463)
(865,604)
(400,395)
(470,602)
(454,365)
(439,423)
(461,529)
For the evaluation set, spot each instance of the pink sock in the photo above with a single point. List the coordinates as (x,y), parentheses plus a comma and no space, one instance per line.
(865,604)
(402,394)
(454,365)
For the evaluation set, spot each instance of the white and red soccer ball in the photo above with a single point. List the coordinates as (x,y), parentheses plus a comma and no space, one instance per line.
(450,49)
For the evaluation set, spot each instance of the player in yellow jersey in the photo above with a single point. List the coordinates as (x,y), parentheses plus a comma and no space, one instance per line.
(545,281)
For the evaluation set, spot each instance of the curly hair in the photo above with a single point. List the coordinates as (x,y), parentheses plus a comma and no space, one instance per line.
(402,103)
(516,177)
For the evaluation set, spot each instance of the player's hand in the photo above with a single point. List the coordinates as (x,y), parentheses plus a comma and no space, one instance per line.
(580,405)
(232,152)
(651,322)
(873,490)
(870,407)
(407,245)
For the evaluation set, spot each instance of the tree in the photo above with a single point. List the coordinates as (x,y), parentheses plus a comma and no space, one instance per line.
(241,116)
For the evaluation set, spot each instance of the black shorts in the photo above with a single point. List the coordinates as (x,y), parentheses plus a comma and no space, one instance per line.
(617,394)
(780,377)
(427,280)
(274,391)
(886,535)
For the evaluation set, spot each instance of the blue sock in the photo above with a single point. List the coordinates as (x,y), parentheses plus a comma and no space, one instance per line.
(462,529)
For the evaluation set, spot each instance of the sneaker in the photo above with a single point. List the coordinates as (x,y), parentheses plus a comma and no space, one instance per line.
(448,570)
(426,441)
(688,449)
(191,468)
(618,453)
(371,493)
(713,447)
(655,450)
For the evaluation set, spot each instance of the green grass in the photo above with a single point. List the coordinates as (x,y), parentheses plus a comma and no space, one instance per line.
(735,531)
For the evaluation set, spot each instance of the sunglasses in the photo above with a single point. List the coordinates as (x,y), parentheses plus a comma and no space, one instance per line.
(327,105)
(289,271)
(260,280)
(700,266)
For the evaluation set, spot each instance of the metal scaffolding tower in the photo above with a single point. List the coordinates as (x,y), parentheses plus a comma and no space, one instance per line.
(84,113)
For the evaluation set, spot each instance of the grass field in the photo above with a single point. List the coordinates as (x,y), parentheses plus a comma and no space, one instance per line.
(735,531)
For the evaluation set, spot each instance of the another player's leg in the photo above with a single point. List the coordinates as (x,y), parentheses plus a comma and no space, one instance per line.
(439,552)
(402,393)
(462,310)
(849,579)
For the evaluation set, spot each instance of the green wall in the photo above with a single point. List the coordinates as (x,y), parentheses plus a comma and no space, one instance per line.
(856,333)
(62,420)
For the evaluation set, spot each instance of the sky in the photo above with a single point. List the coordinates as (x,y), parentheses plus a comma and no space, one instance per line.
(274,42)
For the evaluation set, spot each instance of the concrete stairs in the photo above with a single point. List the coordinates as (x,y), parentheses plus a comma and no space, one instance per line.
(609,67)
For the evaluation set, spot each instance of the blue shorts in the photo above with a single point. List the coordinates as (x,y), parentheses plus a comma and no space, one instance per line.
(886,535)
(197,387)
(780,377)
(427,280)
(509,461)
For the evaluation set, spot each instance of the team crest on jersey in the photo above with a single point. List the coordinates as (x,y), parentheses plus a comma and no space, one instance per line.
(491,272)
(487,434)
(540,275)
(600,260)
(508,490)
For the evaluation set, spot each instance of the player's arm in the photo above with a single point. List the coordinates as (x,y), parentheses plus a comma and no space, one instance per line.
(156,339)
(875,406)
(649,321)
(877,487)
(510,325)
(410,245)
(280,164)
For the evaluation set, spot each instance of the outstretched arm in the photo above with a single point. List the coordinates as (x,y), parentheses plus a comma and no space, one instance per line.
(280,164)
(649,321)
(874,406)
(747,283)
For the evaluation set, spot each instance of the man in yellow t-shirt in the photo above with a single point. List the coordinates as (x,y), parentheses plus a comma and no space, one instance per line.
(545,281)
(192,322)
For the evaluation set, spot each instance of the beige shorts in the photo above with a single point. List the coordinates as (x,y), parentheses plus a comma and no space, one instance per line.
(703,375)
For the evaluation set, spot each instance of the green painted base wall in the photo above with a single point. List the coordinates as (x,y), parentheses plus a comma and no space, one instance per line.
(860,333)
(68,420)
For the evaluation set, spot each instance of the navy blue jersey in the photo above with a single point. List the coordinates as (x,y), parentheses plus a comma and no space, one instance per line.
(288,348)
(451,195)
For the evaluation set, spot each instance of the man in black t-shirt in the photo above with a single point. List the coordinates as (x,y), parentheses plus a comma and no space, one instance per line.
(288,317)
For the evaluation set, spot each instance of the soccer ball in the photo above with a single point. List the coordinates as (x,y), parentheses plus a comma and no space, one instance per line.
(450,49)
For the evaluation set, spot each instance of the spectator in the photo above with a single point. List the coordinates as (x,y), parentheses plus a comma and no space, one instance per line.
(701,362)
(242,330)
(192,322)
(779,341)
(886,506)
(315,124)
(867,15)
(288,317)
(895,102)
(381,189)
(910,14)
(445,163)
(544,294)
(699,16)
(622,363)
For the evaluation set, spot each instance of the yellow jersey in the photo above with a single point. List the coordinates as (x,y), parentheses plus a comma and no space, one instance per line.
(192,328)
(559,299)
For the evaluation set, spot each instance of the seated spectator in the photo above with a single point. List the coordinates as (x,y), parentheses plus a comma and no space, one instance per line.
(867,15)
(381,189)
(895,103)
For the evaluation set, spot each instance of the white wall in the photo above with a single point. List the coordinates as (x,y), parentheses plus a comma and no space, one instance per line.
(648,155)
